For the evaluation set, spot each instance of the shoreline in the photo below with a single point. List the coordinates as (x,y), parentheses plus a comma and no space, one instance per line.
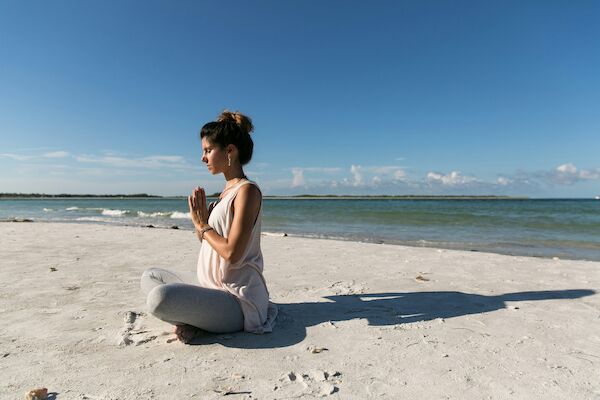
(418,244)
(357,321)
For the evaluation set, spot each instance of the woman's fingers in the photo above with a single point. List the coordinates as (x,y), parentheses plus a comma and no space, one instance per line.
(199,201)
(193,213)
(203,206)
(203,199)
(197,204)
(197,197)
(194,198)
(190,205)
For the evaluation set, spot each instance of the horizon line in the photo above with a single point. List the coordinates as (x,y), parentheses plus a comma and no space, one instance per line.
(300,196)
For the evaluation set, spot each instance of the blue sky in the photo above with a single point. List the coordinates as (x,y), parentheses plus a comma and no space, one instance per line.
(383,97)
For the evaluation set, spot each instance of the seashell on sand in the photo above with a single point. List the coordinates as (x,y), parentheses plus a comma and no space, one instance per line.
(37,394)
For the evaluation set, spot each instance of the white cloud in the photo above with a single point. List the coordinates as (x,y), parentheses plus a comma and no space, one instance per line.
(111,160)
(103,167)
(298,179)
(391,172)
(502,181)
(361,177)
(57,154)
(17,157)
(454,178)
(590,175)
(568,174)
(357,178)
(399,175)
(23,157)
(169,159)
(155,161)
(566,169)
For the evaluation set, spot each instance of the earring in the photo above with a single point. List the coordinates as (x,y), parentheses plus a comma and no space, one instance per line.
(228,160)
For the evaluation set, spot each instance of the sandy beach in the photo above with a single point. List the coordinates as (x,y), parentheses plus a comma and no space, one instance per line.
(356,321)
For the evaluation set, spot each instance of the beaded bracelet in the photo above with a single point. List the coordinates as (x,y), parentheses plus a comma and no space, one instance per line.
(205,229)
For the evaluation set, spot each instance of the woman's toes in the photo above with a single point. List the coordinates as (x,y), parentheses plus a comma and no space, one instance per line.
(186,333)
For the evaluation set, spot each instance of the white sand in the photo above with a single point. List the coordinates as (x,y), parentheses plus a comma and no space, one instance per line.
(469,332)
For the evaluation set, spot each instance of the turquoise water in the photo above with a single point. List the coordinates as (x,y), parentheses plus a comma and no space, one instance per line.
(566,228)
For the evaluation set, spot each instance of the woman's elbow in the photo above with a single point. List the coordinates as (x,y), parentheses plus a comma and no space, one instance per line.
(232,256)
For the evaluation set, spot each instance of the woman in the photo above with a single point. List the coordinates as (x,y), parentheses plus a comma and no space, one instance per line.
(231,294)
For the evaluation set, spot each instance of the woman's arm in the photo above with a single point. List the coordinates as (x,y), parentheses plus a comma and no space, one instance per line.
(246,206)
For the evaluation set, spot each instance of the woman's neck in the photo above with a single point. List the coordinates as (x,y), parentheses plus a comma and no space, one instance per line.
(231,183)
(234,174)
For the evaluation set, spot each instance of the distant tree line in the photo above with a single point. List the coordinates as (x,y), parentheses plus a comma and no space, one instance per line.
(300,196)
(43,195)
(407,196)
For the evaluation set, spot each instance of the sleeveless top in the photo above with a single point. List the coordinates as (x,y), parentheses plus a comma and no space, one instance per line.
(244,278)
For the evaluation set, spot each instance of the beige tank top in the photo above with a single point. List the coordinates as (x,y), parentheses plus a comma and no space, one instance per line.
(243,279)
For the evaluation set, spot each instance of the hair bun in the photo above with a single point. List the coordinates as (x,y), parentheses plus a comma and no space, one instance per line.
(243,122)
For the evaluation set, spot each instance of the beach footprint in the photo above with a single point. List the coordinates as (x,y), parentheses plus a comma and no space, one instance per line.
(347,287)
(132,331)
(316,383)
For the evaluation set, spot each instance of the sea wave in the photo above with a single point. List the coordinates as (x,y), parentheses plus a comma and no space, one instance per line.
(154,214)
(114,213)
(180,215)
(75,208)
(91,219)
(48,209)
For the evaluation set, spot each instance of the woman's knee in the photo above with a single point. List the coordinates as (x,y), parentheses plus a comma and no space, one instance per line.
(148,280)
(150,272)
(160,300)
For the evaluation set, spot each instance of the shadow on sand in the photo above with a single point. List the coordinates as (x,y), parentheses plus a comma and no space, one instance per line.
(380,309)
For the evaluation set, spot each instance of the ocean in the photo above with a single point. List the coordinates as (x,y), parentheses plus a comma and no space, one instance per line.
(564,228)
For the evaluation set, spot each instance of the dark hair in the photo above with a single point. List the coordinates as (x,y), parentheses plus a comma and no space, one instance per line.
(231,128)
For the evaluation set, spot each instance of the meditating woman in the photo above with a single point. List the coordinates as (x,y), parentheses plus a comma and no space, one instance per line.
(231,293)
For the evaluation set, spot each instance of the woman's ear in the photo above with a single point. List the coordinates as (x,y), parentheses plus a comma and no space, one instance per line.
(231,149)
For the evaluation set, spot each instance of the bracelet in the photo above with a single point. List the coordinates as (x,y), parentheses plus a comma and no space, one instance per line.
(204,230)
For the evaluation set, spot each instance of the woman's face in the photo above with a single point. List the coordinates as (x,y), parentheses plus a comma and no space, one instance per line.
(214,157)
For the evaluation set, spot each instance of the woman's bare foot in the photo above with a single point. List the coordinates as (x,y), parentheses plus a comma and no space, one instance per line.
(186,333)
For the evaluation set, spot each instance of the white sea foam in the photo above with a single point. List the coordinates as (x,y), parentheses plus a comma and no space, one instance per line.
(114,213)
(180,215)
(154,214)
(48,209)
(72,208)
(93,219)
(276,234)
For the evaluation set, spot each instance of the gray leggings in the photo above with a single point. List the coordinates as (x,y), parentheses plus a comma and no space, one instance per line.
(179,303)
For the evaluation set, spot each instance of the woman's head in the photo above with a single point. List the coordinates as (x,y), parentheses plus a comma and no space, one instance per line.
(230,133)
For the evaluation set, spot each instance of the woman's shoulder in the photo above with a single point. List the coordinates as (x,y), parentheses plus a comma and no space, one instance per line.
(250,189)
(248,196)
